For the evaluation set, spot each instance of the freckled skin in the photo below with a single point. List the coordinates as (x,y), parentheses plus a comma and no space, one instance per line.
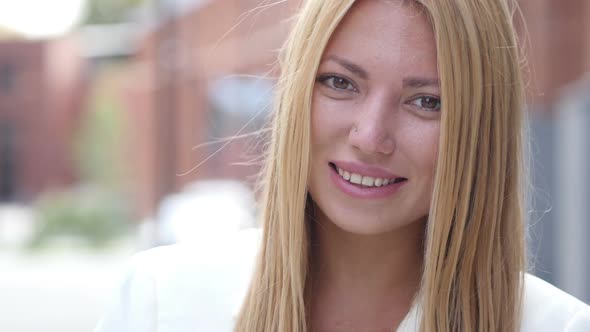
(376,120)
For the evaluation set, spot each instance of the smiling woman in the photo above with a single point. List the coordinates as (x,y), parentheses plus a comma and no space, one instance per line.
(375,114)
(392,192)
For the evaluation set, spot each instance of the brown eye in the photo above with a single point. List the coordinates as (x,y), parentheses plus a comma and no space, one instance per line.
(340,83)
(428,103)
(336,82)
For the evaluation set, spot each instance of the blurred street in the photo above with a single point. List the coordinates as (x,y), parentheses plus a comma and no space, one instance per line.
(129,124)
(67,292)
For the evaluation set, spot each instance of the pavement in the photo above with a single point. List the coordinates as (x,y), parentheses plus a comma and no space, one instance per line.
(64,288)
(58,290)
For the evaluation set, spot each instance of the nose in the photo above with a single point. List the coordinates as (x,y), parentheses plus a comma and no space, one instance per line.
(372,131)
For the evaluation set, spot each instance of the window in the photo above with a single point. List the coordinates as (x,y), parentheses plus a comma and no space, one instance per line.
(7,169)
(7,77)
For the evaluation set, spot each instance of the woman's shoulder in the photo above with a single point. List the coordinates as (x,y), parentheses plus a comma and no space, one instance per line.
(185,286)
(195,272)
(547,308)
(216,252)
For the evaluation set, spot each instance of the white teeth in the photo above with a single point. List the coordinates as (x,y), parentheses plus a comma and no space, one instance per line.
(367,181)
(346,175)
(355,178)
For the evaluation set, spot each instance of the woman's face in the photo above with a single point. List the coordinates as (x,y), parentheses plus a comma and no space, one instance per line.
(375,119)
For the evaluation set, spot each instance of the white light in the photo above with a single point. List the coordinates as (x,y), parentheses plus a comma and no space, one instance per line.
(39,19)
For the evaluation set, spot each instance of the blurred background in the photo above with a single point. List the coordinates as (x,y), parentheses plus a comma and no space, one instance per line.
(114,119)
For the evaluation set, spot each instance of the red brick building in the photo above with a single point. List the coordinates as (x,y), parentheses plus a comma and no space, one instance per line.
(200,76)
(41,94)
(181,81)
(558,50)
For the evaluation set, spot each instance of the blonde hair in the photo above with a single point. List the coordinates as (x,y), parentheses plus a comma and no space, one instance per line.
(474,257)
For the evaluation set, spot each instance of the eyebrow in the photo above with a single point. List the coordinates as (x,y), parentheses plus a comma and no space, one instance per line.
(419,82)
(351,67)
(408,82)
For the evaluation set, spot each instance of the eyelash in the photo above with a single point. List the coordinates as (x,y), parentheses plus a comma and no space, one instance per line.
(326,78)
(428,109)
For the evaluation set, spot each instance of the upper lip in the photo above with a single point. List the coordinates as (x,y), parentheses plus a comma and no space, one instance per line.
(365,169)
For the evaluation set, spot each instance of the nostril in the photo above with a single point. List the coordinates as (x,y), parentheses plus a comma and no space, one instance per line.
(372,140)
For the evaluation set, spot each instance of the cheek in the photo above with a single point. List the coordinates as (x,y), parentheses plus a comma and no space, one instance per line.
(422,147)
(328,123)
(316,122)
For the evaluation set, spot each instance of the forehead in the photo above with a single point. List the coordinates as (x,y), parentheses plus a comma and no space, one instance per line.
(385,32)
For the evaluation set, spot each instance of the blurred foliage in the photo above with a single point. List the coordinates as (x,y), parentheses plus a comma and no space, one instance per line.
(93,216)
(96,211)
(98,149)
(110,11)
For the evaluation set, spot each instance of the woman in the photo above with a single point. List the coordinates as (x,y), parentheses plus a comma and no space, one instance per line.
(392,193)
(425,95)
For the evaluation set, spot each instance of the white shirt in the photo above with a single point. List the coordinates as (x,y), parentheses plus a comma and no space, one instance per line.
(182,288)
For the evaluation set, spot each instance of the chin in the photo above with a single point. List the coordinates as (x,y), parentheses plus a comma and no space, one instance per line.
(365,224)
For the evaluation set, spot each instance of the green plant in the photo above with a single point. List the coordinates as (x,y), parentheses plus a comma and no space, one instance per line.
(94,216)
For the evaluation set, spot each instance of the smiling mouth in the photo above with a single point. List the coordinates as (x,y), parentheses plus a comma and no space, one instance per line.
(365,180)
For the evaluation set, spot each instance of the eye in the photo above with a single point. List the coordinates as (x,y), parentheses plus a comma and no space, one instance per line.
(428,103)
(336,82)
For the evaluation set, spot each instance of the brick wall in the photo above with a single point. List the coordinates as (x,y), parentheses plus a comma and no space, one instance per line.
(40,99)
(559,47)
(170,103)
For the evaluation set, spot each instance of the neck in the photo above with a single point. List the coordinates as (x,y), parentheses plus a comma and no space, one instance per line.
(364,278)
(368,263)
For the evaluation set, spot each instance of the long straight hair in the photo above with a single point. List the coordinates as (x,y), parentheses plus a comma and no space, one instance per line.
(474,242)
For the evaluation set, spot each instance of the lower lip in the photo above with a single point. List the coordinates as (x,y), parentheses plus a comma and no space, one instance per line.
(359,191)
